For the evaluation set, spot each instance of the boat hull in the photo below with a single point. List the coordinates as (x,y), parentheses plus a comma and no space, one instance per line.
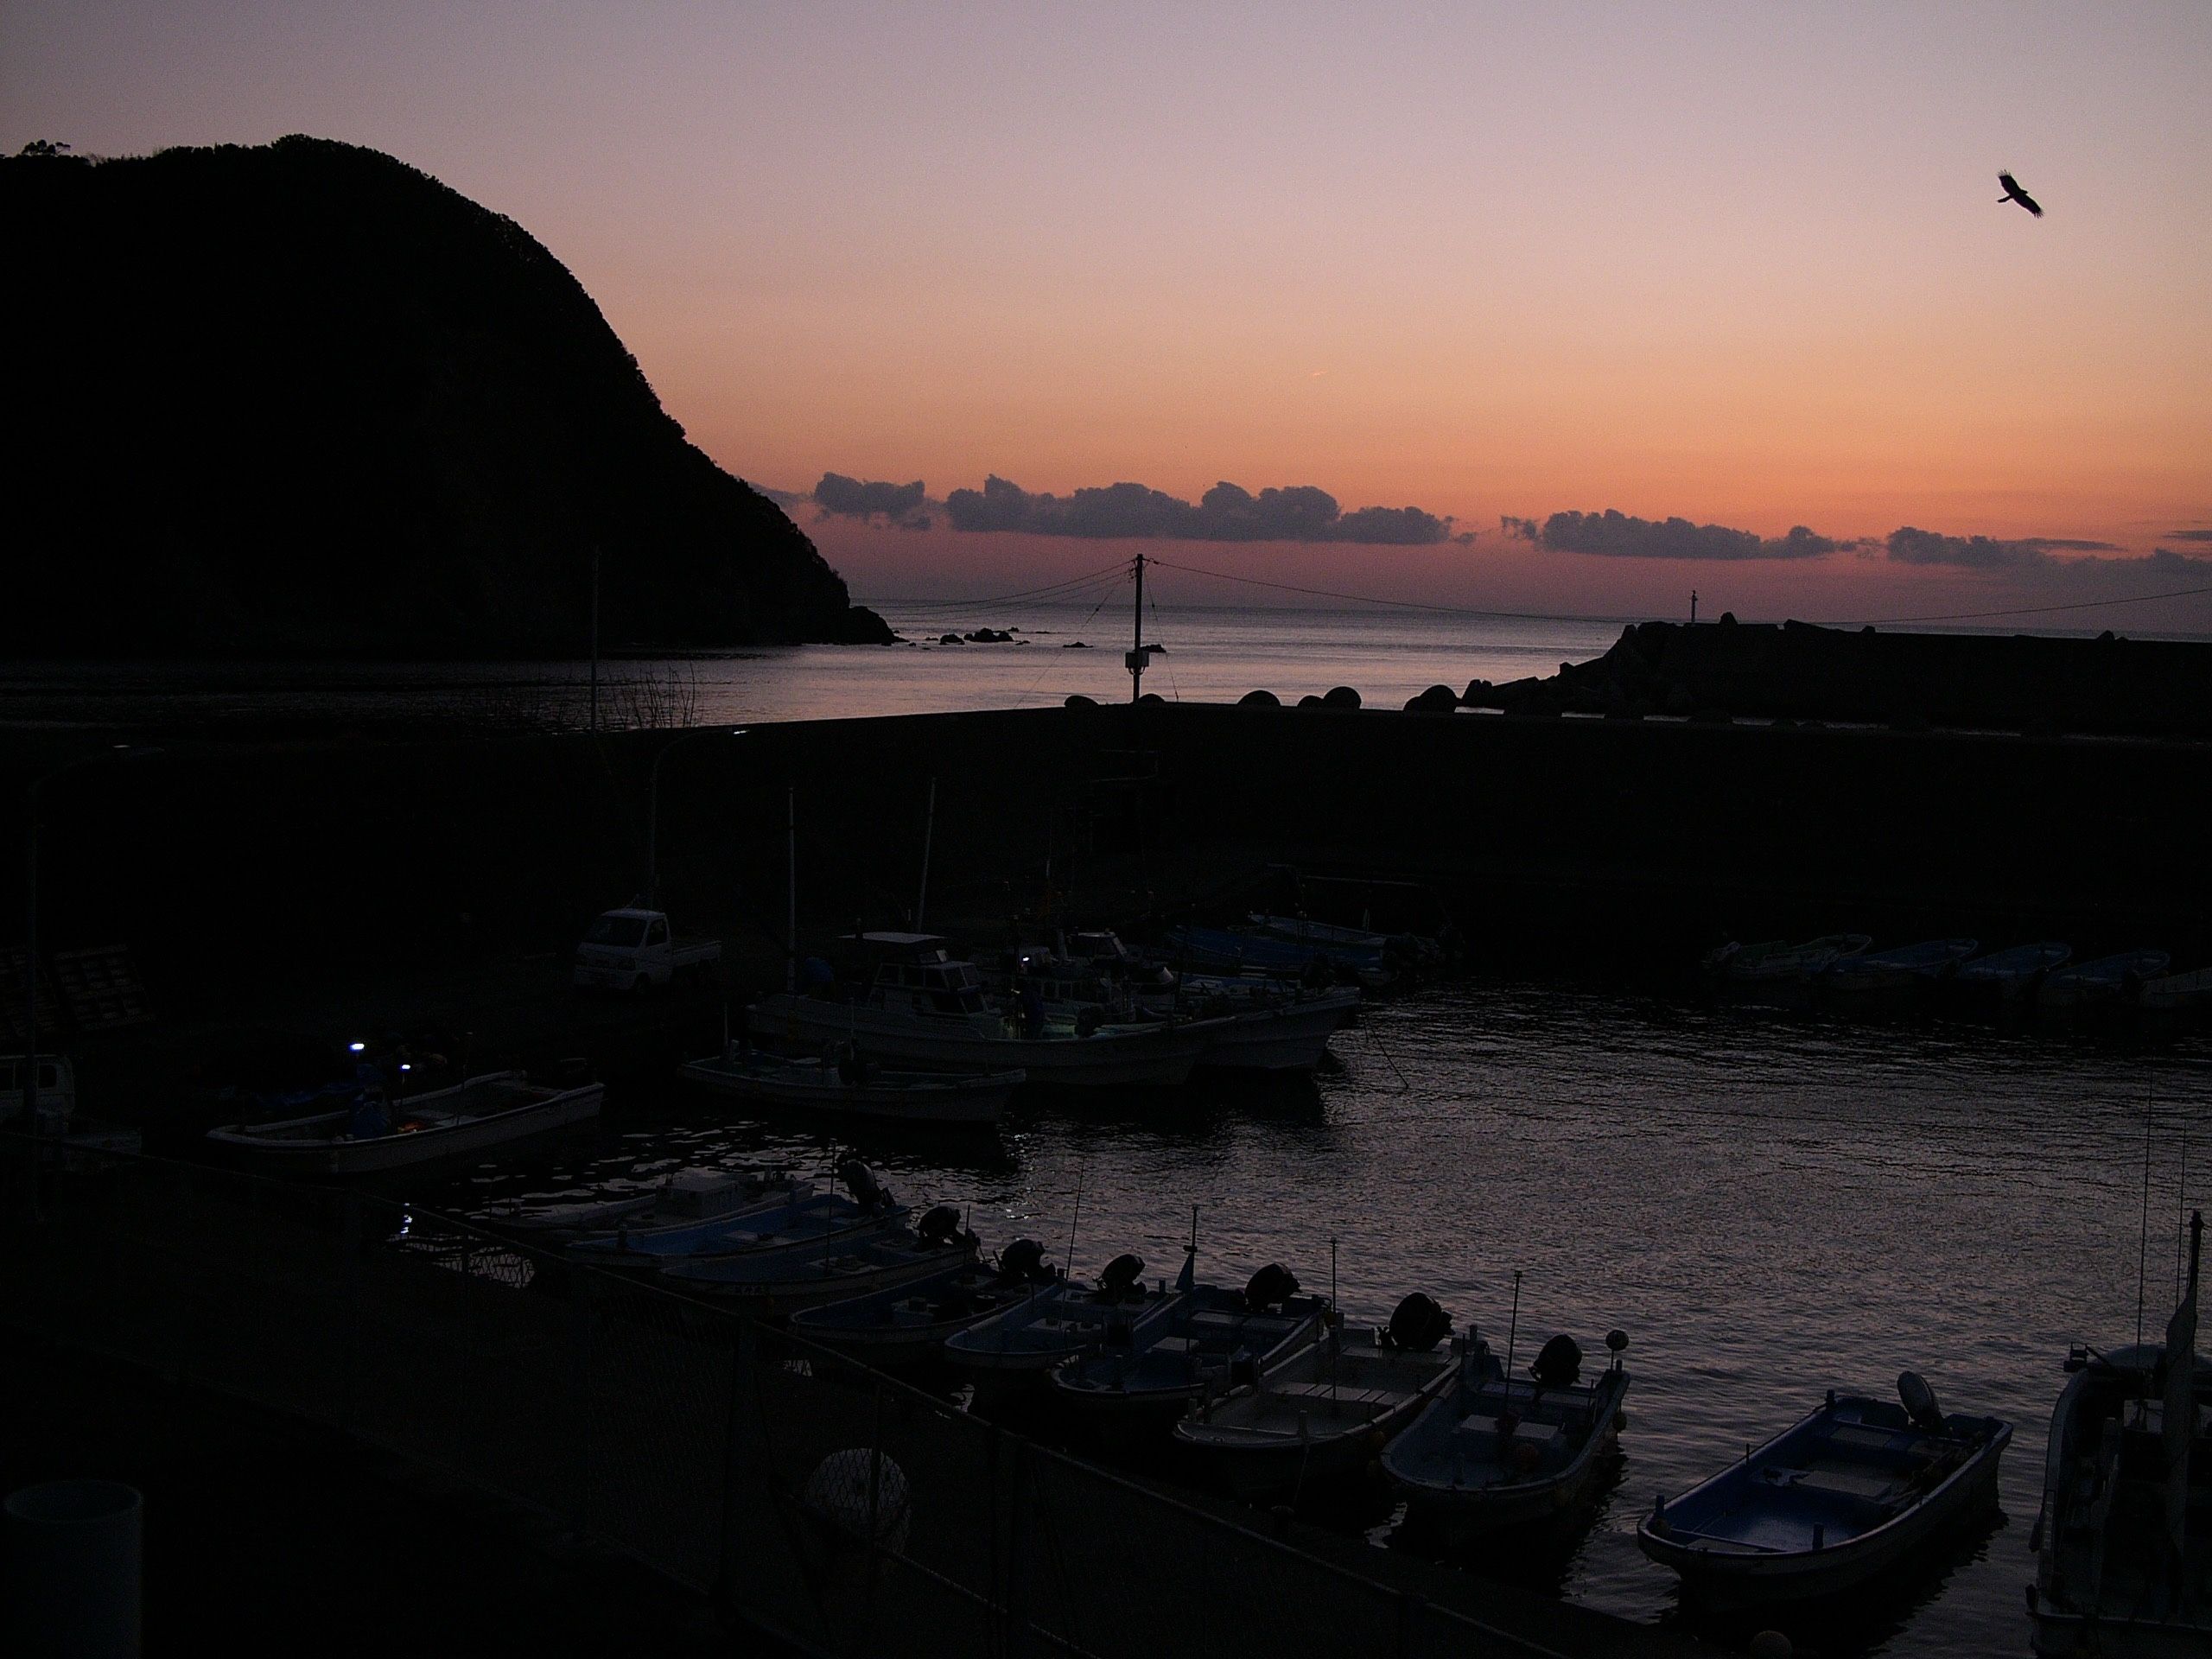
(1152,1057)
(1292,1037)
(342,1157)
(975,1101)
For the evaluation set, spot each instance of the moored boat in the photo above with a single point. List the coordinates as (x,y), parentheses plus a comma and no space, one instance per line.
(906,1325)
(919,1003)
(2108,979)
(1832,1502)
(372,1135)
(775,1284)
(1888,976)
(1775,971)
(2124,1542)
(1493,1453)
(1215,1335)
(853,1086)
(803,1218)
(1017,1347)
(1319,1417)
(2011,975)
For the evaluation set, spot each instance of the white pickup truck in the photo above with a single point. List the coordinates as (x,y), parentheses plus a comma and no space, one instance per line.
(634,950)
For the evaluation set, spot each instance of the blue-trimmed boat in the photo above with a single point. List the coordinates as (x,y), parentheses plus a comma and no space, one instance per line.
(1216,1336)
(2011,975)
(1017,1347)
(1838,1500)
(805,1218)
(1498,1453)
(906,1327)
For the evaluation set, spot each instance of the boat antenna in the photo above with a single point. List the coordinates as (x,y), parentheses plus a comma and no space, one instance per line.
(2143,1243)
(1185,1279)
(1074,1218)
(1336,1335)
(2181,1195)
(1512,1329)
(1136,640)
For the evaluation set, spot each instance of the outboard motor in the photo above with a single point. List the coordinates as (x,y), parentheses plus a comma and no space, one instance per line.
(1271,1286)
(1920,1402)
(1417,1324)
(859,1181)
(1124,1274)
(1024,1259)
(940,1226)
(1559,1364)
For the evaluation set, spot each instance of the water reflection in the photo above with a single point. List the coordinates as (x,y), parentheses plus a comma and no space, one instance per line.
(1769,1207)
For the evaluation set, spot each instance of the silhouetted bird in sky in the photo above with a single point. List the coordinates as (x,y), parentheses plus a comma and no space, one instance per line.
(2013,193)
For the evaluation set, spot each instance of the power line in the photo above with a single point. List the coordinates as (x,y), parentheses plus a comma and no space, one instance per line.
(1370,599)
(1119,567)
(2028,610)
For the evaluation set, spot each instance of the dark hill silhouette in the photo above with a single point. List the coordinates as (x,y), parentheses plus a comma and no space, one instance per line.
(304,399)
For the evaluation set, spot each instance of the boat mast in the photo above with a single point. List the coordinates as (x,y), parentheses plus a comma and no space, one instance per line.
(929,832)
(790,890)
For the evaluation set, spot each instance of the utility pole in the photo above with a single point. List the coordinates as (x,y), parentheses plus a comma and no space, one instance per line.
(595,637)
(1692,605)
(1136,637)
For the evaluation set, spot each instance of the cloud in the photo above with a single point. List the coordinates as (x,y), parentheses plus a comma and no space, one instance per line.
(1908,545)
(785,499)
(1227,513)
(2061,544)
(898,503)
(2190,535)
(1614,534)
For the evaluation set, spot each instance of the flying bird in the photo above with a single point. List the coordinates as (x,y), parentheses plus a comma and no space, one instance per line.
(2013,193)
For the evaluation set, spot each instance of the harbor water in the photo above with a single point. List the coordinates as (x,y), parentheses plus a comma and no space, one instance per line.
(1768,1206)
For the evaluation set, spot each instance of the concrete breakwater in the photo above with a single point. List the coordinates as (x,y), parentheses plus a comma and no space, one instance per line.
(2108,685)
(1603,846)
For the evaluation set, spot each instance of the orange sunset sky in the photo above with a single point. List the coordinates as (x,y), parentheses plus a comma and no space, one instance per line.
(1741,264)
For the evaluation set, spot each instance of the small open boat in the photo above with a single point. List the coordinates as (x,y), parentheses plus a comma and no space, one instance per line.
(2176,994)
(370,1136)
(2011,975)
(906,1325)
(1215,1335)
(805,1217)
(682,1199)
(1018,1346)
(854,1086)
(1493,1453)
(1320,1416)
(1777,972)
(1907,971)
(2124,1543)
(1832,1503)
(2107,978)
(782,1282)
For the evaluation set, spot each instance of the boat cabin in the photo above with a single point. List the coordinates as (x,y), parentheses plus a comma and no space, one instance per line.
(913,973)
(701,1194)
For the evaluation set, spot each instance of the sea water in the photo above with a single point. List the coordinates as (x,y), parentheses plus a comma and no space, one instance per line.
(1769,1206)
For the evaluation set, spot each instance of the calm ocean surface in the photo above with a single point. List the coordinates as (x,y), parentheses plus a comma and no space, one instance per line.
(1769,1207)
(1212,655)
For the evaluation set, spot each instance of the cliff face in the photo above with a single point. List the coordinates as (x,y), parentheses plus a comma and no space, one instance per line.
(304,400)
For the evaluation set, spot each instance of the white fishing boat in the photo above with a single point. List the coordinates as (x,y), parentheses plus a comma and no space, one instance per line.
(1215,1336)
(784,1282)
(2108,979)
(1493,1453)
(1850,1495)
(371,1135)
(2011,975)
(2174,1000)
(1903,972)
(918,1003)
(2124,1542)
(802,1217)
(1320,1417)
(907,1326)
(852,1085)
(1017,1347)
(683,1199)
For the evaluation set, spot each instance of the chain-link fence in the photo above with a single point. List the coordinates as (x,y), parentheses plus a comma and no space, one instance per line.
(823,1500)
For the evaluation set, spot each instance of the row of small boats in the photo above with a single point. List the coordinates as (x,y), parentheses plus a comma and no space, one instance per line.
(1838,971)
(1267,1391)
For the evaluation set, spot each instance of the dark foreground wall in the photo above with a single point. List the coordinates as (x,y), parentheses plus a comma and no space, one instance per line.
(1595,845)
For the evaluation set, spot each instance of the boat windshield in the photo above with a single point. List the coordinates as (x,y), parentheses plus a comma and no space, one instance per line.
(624,931)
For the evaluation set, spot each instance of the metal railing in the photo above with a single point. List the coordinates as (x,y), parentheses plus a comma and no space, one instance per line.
(823,1500)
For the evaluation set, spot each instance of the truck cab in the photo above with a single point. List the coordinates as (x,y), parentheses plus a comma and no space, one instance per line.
(635,950)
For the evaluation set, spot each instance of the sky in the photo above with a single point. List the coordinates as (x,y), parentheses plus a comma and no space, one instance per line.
(1517,268)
